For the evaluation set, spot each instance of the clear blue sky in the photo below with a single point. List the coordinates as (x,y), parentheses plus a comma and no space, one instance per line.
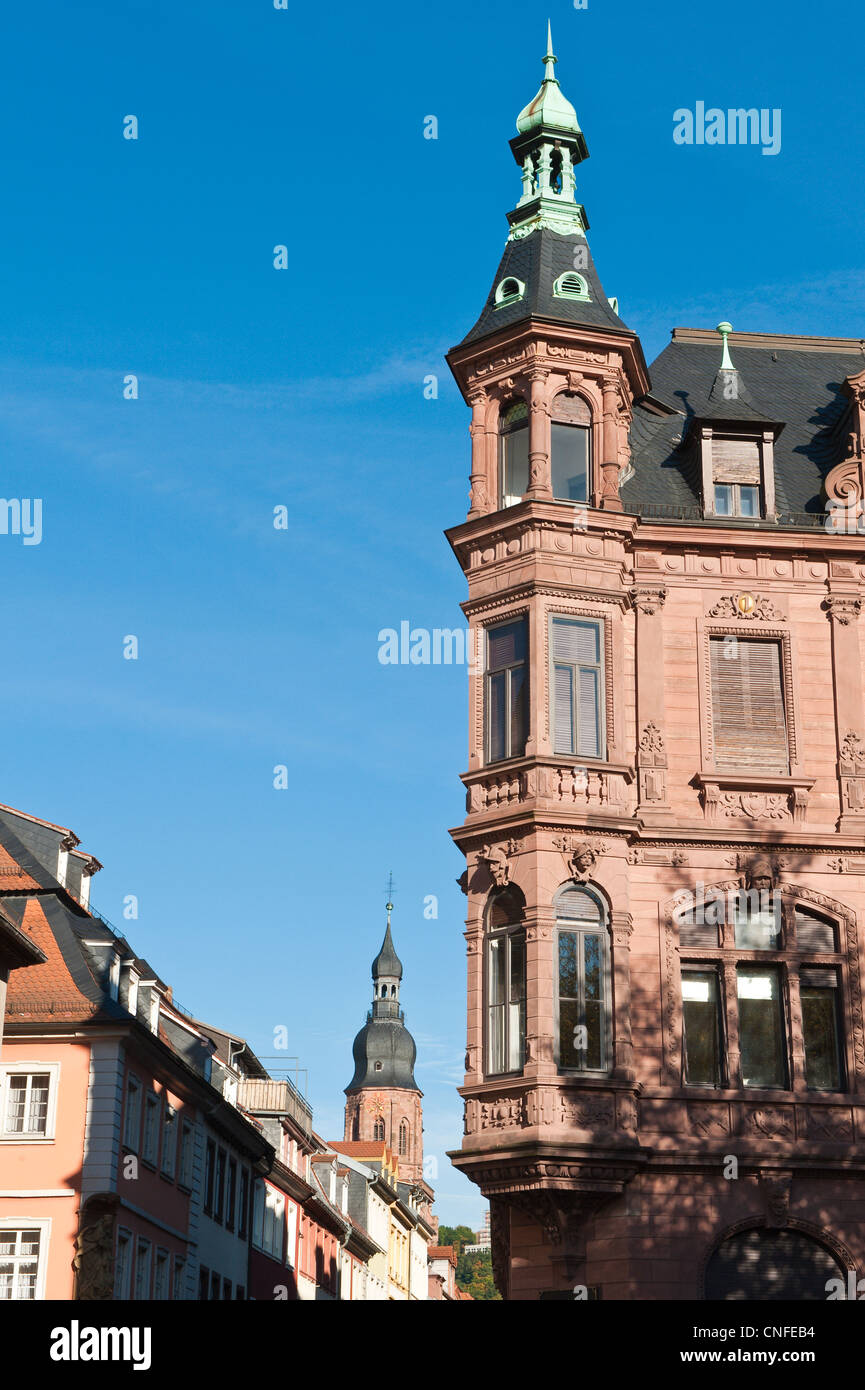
(305,387)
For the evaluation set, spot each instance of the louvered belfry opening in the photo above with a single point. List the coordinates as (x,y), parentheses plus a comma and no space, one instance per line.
(748,717)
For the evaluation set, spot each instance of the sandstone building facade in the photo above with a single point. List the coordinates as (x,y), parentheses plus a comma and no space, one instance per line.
(665,791)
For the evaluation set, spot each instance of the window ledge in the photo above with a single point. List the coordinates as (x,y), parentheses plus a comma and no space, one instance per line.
(753,796)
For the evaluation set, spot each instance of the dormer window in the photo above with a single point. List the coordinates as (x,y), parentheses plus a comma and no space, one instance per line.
(736,477)
(508,291)
(572,286)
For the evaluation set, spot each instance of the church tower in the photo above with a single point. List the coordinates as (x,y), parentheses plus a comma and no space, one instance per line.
(383,1098)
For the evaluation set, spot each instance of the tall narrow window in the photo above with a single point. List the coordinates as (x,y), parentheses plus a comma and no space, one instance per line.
(583,988)
(506,691)
(761,1028)
(514,433)
(403,1139)
(209,1176)
(577,685)
(132,1118)
(169,1140)
(701,1027)
(748,719)
(569,442)
(378,1130)
(152,1111)
(506,983)
(818,990)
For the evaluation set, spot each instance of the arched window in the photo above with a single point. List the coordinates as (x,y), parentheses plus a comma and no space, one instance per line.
(768,1265)
(768,948)
(514,445)
(355,1127)
(570,441)
(403,1139)
(583,981)
(505,982)
(378,1129)
(384,991)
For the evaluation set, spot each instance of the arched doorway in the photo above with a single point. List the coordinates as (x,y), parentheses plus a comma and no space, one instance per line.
(763,1265)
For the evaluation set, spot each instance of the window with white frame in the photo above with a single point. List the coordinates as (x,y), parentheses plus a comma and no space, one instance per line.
(123,1265)
(21,1249)
(179,1278)
(143,1256)
(132,1118)
(28,1099)
(152,1110)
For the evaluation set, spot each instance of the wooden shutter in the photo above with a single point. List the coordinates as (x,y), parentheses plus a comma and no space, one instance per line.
(588,731)
(814,933)
(563,710)
(506,645)
(572,409)
(575,642)
(748,723)
(735,461)
(700,935)
(576,905)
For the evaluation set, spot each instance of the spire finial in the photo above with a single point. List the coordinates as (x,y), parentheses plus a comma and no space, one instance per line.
(389,903)
(726,361)
(550,58)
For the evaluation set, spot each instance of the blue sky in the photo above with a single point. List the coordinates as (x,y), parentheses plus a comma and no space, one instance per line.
(304,387)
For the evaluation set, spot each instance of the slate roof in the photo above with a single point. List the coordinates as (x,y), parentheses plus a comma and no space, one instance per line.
(538,260)
(387,962)
(799,386)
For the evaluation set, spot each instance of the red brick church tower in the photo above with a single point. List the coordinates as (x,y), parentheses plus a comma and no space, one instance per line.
(662,1100)
(383,1098)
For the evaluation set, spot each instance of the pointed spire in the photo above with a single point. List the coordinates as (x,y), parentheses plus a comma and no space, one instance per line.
(387,962)
(550,58)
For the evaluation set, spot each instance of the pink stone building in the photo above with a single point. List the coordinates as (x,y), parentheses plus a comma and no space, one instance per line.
(665,791)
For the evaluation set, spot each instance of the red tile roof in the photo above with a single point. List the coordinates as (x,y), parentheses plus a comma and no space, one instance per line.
(45,991)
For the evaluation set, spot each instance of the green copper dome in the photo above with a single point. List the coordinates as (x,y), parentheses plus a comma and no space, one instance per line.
(550,107)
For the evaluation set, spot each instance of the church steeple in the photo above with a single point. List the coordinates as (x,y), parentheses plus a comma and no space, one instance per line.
(386,977)
(383,1100)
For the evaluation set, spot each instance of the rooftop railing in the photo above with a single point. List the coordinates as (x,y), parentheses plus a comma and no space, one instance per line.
(270,1097)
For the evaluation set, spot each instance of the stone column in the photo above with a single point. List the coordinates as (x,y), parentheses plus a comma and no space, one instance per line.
(648,603)
(540,478)
(540,991)
(610,499)
(481,499)
(844,610)
(621,926)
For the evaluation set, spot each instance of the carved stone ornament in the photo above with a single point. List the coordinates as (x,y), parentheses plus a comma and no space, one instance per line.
(843,608)
(748,606)
(496,860)
(775,1190)
(581,855)
(647,599)
(93,1260)
(653,751)
(851,756)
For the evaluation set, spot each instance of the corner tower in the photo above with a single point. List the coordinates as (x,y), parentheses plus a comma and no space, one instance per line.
(383,1098)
